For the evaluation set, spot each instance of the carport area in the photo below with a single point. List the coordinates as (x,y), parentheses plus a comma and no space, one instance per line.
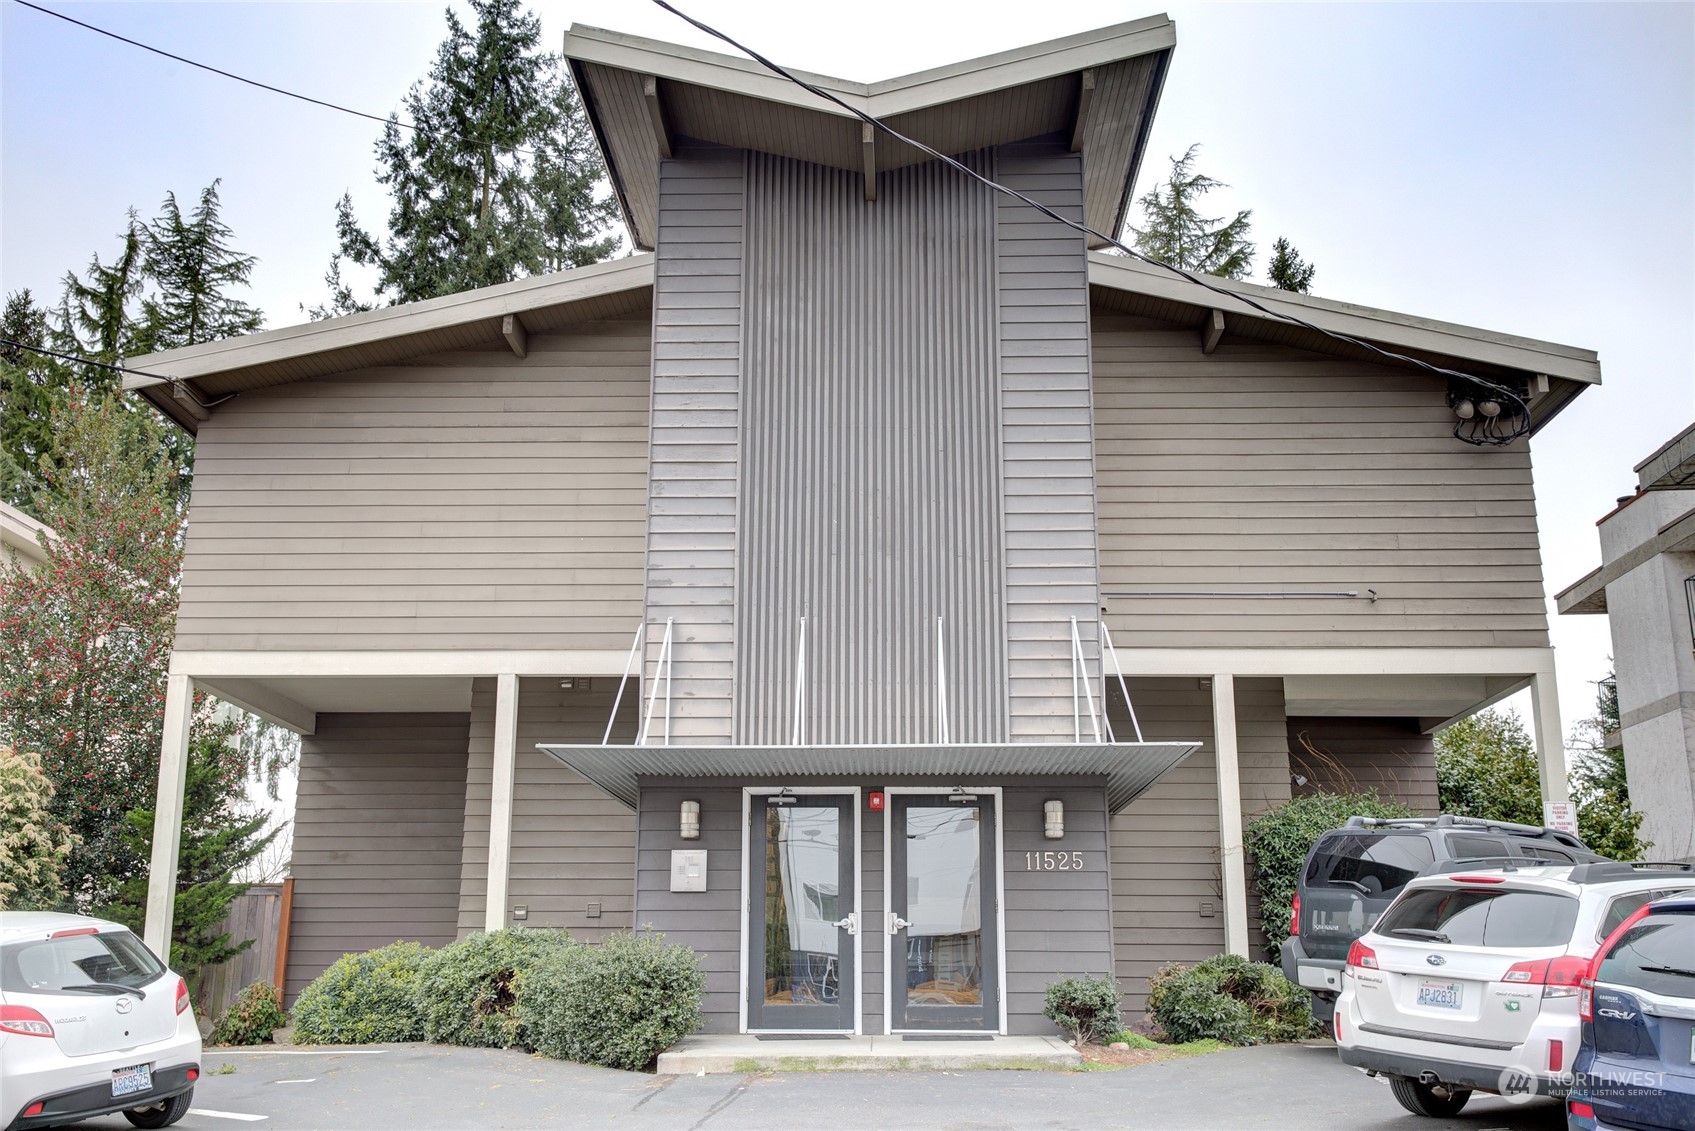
(433,1086)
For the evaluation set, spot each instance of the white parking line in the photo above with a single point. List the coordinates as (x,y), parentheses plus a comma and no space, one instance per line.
(210,1114)
(307,1080)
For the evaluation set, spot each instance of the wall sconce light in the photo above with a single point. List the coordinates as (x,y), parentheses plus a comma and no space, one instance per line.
(1053,819)
(688,821)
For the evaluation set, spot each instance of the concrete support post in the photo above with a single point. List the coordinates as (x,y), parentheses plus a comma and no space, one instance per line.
(500,800)
(1550,737)
(1231,864)
(167,816)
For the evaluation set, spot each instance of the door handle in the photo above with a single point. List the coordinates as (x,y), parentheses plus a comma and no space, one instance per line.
(851,922)
(896,923)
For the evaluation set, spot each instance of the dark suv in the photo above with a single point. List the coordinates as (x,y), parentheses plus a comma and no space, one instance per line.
(1354,872)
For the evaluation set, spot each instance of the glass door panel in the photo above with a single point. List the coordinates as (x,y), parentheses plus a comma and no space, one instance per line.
(800,930)
(943,960)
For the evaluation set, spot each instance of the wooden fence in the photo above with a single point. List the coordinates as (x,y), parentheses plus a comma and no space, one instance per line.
(262,914)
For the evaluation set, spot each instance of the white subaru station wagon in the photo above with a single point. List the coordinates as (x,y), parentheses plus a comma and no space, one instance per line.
(1469,981)
(91,1022)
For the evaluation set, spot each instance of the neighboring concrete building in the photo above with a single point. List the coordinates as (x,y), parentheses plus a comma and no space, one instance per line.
(874,457)
(1646,586)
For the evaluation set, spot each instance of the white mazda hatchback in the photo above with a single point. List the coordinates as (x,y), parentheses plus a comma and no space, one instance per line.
(91,1022)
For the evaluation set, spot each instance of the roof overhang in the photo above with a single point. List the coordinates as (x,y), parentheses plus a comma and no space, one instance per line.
(185,382)
(1551,374)
(1129,767)
(1671,467)
(1100,88)
(1589,595)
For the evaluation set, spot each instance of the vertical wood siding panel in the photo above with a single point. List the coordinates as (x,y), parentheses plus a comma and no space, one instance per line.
(870,462)
(692,475)
(1047,466)
(377,836)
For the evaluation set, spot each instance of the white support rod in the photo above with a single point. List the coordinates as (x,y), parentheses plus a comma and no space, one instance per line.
(1076,709)
(1106,638)
(1232,866)
(797,731)
(667,660)
(502,782)
(618,699)
(661,668)
(1080,677)
(167,816)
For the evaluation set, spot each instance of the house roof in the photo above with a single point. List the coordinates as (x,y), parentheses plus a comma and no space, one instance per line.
(183,382)
(1100,88)
(1671,467)
(21,534)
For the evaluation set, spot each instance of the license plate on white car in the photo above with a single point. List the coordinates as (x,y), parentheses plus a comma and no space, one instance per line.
(1442,995)
(129,1081)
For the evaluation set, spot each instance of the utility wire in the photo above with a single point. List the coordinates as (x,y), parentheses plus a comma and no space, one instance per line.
(255,82)
(78,359)
(1485,434)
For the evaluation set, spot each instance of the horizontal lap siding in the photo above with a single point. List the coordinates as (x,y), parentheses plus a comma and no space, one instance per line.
(376,836)
(1259,467)
(1165,843)
(1388,757)
(467,500)
(1047,449)
(572,846)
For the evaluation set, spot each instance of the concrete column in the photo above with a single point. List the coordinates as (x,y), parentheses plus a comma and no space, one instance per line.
(167,815)
(1231,865)
(500,800)
(1550,736)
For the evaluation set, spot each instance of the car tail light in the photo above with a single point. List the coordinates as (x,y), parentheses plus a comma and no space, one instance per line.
(1338,1019)
(182,995)
(68,932)
(1477,879)
(25,1021)
(1295,917)
(1556,1055)
(1361,955)
(1586,999)
(193,1075)
(1558,977)
(35,1108)
(1580,1110)
(1586,983)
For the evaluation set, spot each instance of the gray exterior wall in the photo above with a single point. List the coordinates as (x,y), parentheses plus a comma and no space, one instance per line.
(1057,923)
(1165,843)
(376,836)
(468,500)
(1264,467)
(572,846)
(1388,757)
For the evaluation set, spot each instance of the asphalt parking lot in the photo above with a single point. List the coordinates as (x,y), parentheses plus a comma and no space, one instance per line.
(432,1086)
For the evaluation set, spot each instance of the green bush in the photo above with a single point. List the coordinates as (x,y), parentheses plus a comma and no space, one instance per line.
(465,990)
(1227,998)
(363,999)
(1087,1008)
(256,1013)
(1280,840)
(620,1003)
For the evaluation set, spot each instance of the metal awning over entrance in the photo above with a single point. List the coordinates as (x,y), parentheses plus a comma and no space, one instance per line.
(1129,767)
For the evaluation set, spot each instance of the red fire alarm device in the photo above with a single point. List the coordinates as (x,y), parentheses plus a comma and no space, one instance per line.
(875,804)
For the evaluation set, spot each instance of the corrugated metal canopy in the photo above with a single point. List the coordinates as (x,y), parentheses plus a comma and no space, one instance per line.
(1129,767)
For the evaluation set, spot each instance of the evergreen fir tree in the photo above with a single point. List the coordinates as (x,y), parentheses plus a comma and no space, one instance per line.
(498,180)
(193,270)
(1288,271)
(29,385)
(96,317)
(1177,234)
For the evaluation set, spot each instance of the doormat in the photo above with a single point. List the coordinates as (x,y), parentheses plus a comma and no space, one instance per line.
(800,1036)
(948,1037)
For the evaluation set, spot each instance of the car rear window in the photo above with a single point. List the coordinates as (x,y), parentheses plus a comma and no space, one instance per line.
(1469,917)
(1657,955)
(1624,906)
(77,964)
(1378,863)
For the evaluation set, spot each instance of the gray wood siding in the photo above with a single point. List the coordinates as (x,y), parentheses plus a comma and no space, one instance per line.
(572,846)
(1165,844)
(1058,924)
(1388,757)
(376,836)
(470,499)
(1267,468)
(697,349)
(869,434)
(1047,440)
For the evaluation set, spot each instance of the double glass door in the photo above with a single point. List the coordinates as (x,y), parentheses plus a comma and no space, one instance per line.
(943,953)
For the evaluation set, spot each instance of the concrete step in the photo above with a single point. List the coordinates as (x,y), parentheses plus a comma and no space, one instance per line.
(722,1053)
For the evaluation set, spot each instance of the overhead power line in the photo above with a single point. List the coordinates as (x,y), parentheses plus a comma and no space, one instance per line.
(1482,437)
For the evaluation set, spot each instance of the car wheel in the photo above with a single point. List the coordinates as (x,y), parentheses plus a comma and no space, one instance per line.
(162,1114)
(1428,1099)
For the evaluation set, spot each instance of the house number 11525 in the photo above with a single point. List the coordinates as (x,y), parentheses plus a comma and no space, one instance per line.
(1053,861)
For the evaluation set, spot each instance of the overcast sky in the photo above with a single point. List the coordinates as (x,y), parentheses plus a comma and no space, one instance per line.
(1528,168)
